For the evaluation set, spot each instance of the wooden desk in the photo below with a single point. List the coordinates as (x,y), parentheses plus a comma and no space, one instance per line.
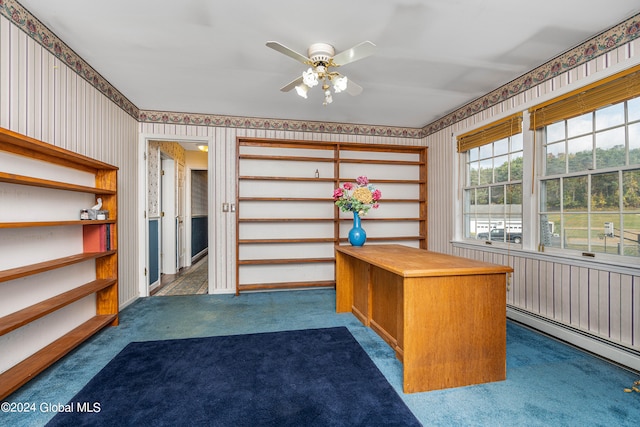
(444,316)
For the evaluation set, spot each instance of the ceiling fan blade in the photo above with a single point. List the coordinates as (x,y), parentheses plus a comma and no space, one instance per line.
(289,52)
(288,87)
(353,89)
(357,52)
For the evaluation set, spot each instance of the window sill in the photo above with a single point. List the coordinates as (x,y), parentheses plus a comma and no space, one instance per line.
(621,266)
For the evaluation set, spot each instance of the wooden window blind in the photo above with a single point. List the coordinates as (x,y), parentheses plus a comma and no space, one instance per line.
(617,88)
(492,132)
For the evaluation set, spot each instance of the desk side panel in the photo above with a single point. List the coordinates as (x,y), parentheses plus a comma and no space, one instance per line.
(344,282)
(454,331)
(353,287)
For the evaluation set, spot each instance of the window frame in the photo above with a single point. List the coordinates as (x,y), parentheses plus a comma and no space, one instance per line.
(508,129)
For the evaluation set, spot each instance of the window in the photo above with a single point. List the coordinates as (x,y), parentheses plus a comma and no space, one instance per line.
(492,195)
(590,188)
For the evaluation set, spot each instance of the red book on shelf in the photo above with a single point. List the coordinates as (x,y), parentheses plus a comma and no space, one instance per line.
(94,238)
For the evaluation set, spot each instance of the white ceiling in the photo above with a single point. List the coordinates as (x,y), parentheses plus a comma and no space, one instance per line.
(432,57)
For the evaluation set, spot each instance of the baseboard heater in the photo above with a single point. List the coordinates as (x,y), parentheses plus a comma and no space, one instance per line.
(627,358)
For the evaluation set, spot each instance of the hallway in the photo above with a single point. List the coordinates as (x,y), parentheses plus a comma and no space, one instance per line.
(191,281)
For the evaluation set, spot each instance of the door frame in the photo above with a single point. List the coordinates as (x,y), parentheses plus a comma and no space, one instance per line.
(143,200)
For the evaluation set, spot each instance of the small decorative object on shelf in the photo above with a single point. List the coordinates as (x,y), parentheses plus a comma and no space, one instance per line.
(84,214)
(357,198)
(98,204)
(95,212)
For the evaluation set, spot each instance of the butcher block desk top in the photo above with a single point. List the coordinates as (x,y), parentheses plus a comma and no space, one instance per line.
(412,262)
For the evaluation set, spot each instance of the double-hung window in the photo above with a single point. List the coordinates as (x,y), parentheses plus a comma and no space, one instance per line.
(492,194)
(590,182)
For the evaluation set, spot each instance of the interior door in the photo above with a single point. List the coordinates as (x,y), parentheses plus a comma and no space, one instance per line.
(180,231)
(168,216)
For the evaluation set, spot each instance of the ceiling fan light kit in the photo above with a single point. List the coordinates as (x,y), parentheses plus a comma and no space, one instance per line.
(321,57)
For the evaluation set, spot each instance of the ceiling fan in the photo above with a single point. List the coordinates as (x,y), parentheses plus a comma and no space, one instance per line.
(321,57)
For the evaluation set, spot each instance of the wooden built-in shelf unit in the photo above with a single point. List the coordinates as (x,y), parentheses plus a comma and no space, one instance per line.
(287,225)
(48,304)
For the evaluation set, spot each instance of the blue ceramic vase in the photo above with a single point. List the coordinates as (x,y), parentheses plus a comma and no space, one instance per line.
(357,235)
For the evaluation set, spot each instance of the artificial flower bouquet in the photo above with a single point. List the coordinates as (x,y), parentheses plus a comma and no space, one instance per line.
(357,197)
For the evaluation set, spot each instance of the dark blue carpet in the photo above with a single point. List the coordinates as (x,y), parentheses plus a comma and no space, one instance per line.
(312,377)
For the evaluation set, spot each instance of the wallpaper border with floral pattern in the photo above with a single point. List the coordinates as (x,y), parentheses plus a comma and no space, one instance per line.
(604,42)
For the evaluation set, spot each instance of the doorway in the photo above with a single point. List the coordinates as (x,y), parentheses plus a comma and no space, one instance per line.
(167,213)
(192,280)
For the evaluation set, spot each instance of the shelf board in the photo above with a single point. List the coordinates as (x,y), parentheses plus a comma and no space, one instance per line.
(382,162)
(385,181)
(54,223)
(283,178)
(285,199)
(420,200)
(286,158)
(387,148)
(20,318)
(365,219)
(245,220)
(41,267)
(297,144)
(389,239)
(286,261)
(286,285)
(18,375)
(23,145)
(55,185)
(311,240)
(330,145)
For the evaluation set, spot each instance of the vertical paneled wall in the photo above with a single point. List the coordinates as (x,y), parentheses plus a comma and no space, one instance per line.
(222,173)
(599,299)
(43,98)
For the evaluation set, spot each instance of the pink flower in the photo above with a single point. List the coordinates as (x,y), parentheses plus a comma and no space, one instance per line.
(362,180)
(348,186)
(375,206)
(376,195)
(337,193)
